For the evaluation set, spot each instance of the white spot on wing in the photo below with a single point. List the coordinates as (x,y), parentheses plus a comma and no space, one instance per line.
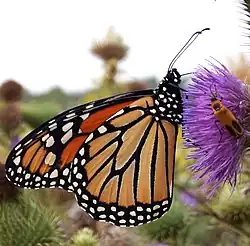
(133,213)
(19,152)
(81,152)
(100,209)
(67,126)
(18,146)
(102,129)
(79,176)
(112,217)
(50,142)
(17,160)
(84,116)
(54,174)
(28,142)
(156,207)
(90,106)
(53,125)
(91,135)
(165,203)
(50,159)
(19,170)
(27,176)
(44,138)
(85,197)
(155,214)
(121,213)
(84,205)
(66,172)
(116,114)
(52,121)
(67,136)
(140,217)
(70,115)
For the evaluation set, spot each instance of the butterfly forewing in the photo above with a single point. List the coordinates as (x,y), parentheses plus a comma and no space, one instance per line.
(124,171)
(45,157)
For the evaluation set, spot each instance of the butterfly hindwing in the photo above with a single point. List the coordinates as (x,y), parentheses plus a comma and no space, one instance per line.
(44,158)
(124,171)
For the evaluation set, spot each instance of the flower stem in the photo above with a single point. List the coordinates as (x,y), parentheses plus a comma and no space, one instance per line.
(211,212)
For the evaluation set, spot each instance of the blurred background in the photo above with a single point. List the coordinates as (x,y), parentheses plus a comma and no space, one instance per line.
(58,54)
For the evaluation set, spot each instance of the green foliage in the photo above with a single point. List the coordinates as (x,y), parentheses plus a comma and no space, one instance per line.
(236,210)
(168,226)
(25,223)
(101,92)
(84,237)
(199,231)
(35,114)
(54,96)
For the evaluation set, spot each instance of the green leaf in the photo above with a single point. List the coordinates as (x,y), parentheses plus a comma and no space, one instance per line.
(25,223)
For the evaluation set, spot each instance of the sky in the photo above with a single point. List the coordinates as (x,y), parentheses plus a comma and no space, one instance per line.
(45,43)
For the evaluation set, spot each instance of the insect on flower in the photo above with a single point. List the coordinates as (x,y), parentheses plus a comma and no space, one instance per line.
(225,116)
(116,154)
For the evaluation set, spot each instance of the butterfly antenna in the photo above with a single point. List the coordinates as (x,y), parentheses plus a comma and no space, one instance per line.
(184,74)
(186,45)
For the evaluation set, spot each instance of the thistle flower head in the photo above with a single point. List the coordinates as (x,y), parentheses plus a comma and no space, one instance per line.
(10,117)
(11,91)
(218,154)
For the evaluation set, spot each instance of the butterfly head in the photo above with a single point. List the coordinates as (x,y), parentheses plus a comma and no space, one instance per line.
(168,98)
(173,77)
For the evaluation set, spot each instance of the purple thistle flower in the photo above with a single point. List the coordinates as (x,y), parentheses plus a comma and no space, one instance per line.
(14,141)
(218,154)
(188,199)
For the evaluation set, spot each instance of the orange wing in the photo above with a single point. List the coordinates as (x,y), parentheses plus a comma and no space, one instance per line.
(127,167)
(45,157)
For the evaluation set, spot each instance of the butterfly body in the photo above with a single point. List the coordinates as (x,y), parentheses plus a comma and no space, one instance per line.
(168,99)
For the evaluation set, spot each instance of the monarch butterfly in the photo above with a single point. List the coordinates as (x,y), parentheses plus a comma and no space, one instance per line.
(116,154)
